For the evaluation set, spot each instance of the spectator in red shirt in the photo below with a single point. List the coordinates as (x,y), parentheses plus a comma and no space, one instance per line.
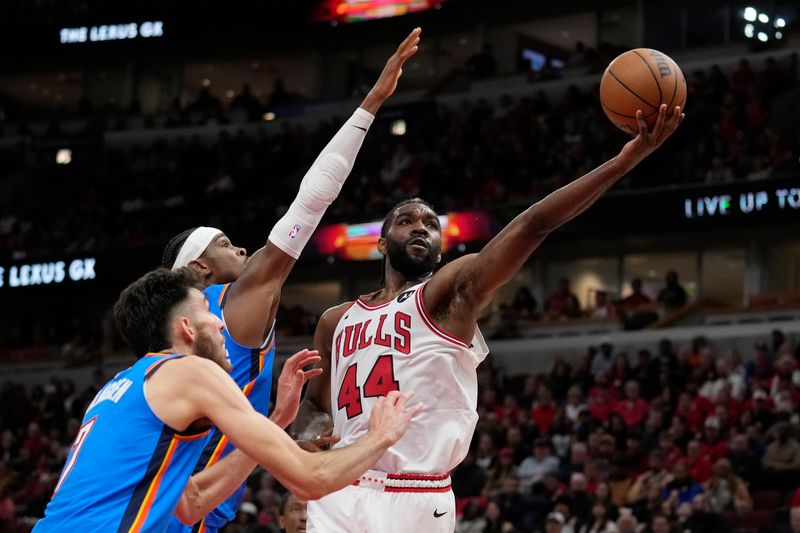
(35,442)
(760,409)
(544,411)
(632,409)
(636,299)
(712,446)
(601,397)
(563,303)
(694,411)
(697,463)
(669,451)
(508,411)
(621,371)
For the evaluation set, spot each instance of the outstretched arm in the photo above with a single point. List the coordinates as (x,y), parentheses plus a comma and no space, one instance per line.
(253,301)
(471,281)
(215,483)
(198,389)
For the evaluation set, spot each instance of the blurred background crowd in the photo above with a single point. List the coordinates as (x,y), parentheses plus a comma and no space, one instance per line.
(677,438)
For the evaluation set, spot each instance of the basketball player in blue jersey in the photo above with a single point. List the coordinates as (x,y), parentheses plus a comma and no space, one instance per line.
(130,467)
(419,332)
(248,289)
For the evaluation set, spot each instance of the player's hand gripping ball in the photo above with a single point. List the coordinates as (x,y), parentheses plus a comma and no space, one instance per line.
(644,79)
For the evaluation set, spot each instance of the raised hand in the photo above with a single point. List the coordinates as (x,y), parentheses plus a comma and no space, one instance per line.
(387,82)
(647,141)
(389,417)
(290,385)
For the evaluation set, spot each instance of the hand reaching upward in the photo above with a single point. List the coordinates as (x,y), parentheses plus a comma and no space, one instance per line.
(387,82)
(290,385)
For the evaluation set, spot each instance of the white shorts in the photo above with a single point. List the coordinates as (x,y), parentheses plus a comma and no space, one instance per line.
(386,503)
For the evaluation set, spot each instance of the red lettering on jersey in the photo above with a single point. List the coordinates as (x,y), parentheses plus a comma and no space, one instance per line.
(351,335)
(337,347)
(402,326)
(364,341)
(380,338)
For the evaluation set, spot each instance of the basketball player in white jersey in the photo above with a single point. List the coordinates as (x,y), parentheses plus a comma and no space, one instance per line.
(419,332)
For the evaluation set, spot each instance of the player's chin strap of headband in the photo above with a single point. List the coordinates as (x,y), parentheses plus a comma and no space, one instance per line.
(195,245)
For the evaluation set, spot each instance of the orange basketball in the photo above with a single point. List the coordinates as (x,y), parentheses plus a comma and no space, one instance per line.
(644,79)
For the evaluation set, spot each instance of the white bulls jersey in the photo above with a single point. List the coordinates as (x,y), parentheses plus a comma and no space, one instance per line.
(397,346)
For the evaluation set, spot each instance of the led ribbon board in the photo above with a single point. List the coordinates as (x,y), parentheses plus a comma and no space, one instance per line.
(359,242)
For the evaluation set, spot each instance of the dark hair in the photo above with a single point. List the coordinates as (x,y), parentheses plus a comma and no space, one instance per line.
(284,503)
(143,310)
(173,248)
(389,220)
(390,216)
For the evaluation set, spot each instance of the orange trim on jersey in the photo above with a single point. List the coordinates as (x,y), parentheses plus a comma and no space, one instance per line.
(263,353)
(202,528)
(223,442)
(193,437)
(152,490)
(222,294)
(432,325)
(166,358)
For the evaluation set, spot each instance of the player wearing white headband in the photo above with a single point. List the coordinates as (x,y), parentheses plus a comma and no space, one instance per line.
(248,289)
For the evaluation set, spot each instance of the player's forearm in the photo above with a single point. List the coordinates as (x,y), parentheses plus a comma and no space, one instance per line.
(566,203)
(279,417)
(335,469)
(207,489)
(502,258)
(372,102)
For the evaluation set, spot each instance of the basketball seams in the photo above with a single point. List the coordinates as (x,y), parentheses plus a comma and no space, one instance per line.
(611,72)
(675,88)
(624,115)
(655,79)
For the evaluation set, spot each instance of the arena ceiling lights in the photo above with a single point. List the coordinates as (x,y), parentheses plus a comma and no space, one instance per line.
(761,26)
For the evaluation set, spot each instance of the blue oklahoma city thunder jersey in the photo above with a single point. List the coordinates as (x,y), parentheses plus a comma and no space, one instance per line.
(126,470)
(252,371)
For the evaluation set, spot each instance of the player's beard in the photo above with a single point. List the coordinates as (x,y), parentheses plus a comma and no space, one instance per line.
(207,347)
(410,267)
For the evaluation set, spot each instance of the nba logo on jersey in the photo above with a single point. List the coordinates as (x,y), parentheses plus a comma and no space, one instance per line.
(294,231)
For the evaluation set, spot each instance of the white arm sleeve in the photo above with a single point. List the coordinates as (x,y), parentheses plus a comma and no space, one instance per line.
(321,185)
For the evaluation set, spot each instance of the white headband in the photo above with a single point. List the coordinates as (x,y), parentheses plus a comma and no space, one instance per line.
(195,245)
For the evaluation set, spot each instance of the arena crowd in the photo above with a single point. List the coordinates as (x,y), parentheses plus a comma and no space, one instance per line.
(677,438)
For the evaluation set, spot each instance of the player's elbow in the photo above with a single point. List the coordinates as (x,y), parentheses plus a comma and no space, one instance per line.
(320,483)
(308,491)
(538,223)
